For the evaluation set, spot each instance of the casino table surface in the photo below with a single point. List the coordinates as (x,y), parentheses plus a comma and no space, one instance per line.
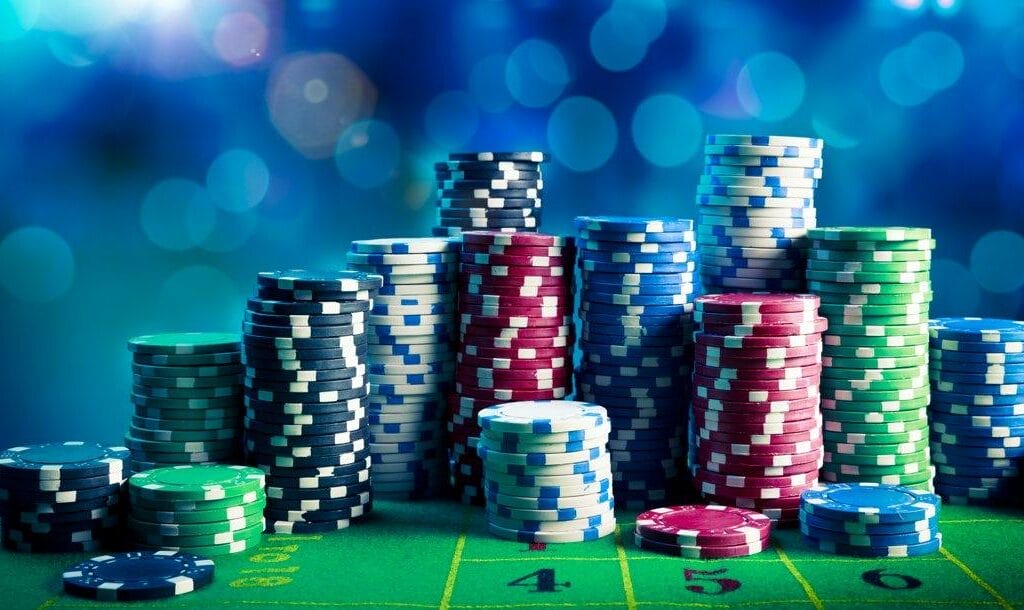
(438,554)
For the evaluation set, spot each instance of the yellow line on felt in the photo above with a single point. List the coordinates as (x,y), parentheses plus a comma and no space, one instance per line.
(978,580)
(48,603)
(808,589)
(453,569)
(627,579)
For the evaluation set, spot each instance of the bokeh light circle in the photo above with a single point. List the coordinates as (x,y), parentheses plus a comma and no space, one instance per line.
(36,264)
(667,130)
(934,60)
(368,153)
(451,119)
(956,292)
(240,38)
(652,15)
(237,180)
(536,73)
(18,17)
(582,133)
(996,261)
(177,214)
(770,86)
(618,40)
(897,80)
(218,308)
(487,83)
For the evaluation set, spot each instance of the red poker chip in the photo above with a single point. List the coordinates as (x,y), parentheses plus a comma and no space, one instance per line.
(495,238)
(754,318)
(745,426)
(472,353)
(703,525)
(767,385)
(815,327)
(506,301)
(517,290)
(517,385)
(735,342)
(747,357)
(779,516)
(538,329)
(513,322)
(513,363)
(753,408)
(758,439)
(558,311)
(553,251)
(704,486)
(511,260)
(745,366)
(702,391)
(471,344)
(759,455)
(803,479)
(791,502)
(698,551)
(471,373)
(716,372)
(515,280)
(758,302)
(810,467)
(755,418)
(505,395)
(556,271)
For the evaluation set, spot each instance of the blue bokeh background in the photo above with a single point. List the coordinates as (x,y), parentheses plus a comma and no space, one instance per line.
(156,154)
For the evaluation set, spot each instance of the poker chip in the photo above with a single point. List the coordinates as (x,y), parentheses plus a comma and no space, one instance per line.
(482,191)
(704,526)
(137,576)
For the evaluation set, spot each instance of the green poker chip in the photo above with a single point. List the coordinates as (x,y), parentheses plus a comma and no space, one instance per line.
(840,298)
(906,411)
(233,379)
(184,542)
(151,371)
(875,363)
(235,502)
(847,428)
(866,470)
(869,311)
(839,351)
(846,277)
(885,330)
(218,434)
(920,457)
(870,246)
(869,256)
(196,482)
(870,233)
(870,289)
(866,449)
(887,341)
(874,385)
(869,266)
(829,473)
(151,446)
(179,344)
(876,395)
(875,439)
(834,373)
(197,517)
(877,321)
(178,530)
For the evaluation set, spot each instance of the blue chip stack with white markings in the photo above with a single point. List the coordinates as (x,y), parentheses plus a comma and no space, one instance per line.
(305,396)
(547,476)
(755,203)
(636,308)
(493,191)
(977,408)
(870,520)
(410,361)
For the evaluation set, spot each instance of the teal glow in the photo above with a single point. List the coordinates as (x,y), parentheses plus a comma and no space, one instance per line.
(36,265)
(582,133)
(667,130)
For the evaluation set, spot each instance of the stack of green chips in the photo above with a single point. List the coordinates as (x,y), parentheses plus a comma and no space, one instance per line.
(205,510)
(874,284)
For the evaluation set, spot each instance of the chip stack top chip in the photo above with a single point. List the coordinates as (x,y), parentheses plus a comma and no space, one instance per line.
(703,532)
(755,204)
(977,408)
(138,576)
(497,191)
(875,289)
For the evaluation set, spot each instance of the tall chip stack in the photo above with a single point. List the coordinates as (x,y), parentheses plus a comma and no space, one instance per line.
(636,310)
(515,336)
(547,473)
(875,290)
(755,203)
(411,360)
(187,399)
(756,413)
(305,396)
(495,191)
(977,409)
(61,497)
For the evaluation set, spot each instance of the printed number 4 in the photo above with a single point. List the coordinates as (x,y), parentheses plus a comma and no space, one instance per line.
(725,585)
(541,581)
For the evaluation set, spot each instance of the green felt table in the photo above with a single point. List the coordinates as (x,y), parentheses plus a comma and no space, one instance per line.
(438,555)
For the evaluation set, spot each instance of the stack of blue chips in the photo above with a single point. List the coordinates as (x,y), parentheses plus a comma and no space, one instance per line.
(755,203)
(870,520)
(410,360)
(305,396)
(977,408)
(636,308)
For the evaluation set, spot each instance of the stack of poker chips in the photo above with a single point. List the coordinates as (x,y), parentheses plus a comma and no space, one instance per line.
(411,363)
(61,497)
(547,474)
(755,203)
(702,532)
(305,393)
(875,289)
(756,401)
(205,510)
(636,310)
(977,408)
(498,191)
(870,520)
(187,396)
(138,576)
(515,335)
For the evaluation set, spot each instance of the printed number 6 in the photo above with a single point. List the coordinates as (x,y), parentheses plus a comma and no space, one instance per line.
(877,579)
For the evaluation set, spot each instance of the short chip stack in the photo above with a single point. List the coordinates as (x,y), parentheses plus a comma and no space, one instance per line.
(187,397)
(977,409)
(204,510)
(757,369)
(515,335)
(636,308)
(138,576)
(411,362)
(870,520)
(875,290)
(61,497)
(547,474)
(496,191)
(702,532)
(305,393)
(755,204)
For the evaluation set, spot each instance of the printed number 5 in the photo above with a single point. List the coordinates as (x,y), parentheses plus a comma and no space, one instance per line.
(725,585)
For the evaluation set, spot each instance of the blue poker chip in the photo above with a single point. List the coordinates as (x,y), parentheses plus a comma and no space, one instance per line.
(138,575)
(413,245)
(59,461)
(637,268)
(992,451)
(942,404)
(648,289)
(763,161)
(783,214)
(624,339)
(977,330)
(980,396)
(637,279)
(290,307)
(611,298)
(443,285)
(688,245)
(389,271)
(869,503)
(976,347)
(778,226)
(974,379)
(426,309)
(667,330)
(727,241)
(613,256)
(981,420)
(635,237)
(754,202)
(777,232)
(623,351)
(869,540)
(768,191)
(1004,483)
(971,438)
(317,281)
(630,387)
(945,367)
(630,372)
(636,321)
(754,140)
(634,224)
(386,260)
(635,310)
(987,358)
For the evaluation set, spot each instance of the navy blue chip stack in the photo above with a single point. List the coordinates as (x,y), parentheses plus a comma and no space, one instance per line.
(411,362)
(305,396)
(494,191)
(187,399)
(977,409)
(755,203)
(636,310)
(61,497)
